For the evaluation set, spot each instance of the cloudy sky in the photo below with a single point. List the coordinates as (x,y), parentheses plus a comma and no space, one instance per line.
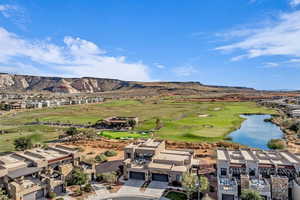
(253,43)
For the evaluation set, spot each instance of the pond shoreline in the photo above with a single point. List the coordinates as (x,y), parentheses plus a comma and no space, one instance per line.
(256,130)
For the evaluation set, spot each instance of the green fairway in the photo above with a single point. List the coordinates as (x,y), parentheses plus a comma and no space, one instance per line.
(190,121)
(122,135)
(38,134)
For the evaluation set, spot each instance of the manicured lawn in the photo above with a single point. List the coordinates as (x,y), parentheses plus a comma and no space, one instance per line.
(122,135)
(176,196)
(188,121)
(38,134)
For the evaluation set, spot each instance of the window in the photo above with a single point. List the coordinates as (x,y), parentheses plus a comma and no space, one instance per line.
(223,171)
(128,155)
(251,172)
(178,178)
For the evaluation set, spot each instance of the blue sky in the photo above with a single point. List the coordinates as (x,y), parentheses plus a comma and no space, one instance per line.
(253,43)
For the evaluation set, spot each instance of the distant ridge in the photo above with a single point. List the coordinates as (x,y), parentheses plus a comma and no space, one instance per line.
(28,83)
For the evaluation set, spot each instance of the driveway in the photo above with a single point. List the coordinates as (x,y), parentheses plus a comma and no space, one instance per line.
(131,187)
(156,188)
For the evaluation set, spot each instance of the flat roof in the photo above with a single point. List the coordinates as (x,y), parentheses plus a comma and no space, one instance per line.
(22,172)
(259,156)
(160,166)
(48,154)
(221,155)
(178,152)
(171,157)
(179,168)
(13,161)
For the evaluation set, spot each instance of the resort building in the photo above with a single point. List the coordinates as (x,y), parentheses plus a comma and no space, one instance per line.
(115,122)
(150,161)
(273,174)
(34,173)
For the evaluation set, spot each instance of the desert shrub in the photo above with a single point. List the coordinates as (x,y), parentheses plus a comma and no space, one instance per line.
(276,144)
(101,158)
(109,177)
(110,153)
(78,192)
(295,127)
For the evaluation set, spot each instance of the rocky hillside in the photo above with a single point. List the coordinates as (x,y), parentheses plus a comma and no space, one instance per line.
(25,83)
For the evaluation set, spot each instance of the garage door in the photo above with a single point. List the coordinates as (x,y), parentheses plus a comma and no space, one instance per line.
(39,194)
(160,177)
(34,195)
(58,189)
(29,196)
(137,175)
(227,197)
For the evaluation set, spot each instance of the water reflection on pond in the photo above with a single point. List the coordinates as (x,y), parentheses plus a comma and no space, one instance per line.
(255,132)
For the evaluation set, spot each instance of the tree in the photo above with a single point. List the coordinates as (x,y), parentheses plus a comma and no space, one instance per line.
(110,178)
(78,177)
(204,184)
(3,195)
(276,144)
(23,143)
(250,195)
(132,123)
(189,182)
(72,131)
(295,127)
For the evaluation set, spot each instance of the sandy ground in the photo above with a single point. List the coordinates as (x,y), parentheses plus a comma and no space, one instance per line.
(91,148)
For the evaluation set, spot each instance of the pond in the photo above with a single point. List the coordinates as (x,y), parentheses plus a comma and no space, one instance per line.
(255,132)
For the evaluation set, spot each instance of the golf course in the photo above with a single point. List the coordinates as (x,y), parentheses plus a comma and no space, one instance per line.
(178,121)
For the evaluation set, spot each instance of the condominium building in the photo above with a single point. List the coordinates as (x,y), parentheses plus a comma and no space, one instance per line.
(271,173)
(150,161)
(34,173)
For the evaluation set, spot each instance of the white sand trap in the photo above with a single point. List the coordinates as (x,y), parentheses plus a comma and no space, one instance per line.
(217,109)
(202,116)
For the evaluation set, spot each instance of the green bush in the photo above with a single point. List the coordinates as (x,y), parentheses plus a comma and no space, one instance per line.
(23,143)
(110,153)
(51,195)
(101,158)
(72,131)
(250,195)
(108,177)
(60,198)
(87,188)
(276,144)
(78,177)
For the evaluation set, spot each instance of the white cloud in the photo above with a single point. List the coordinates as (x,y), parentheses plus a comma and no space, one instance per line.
(295,3)
(76,57)
(294,60)
(271,64)
(9,10)
(279,38)
(184,70)
(159,66)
